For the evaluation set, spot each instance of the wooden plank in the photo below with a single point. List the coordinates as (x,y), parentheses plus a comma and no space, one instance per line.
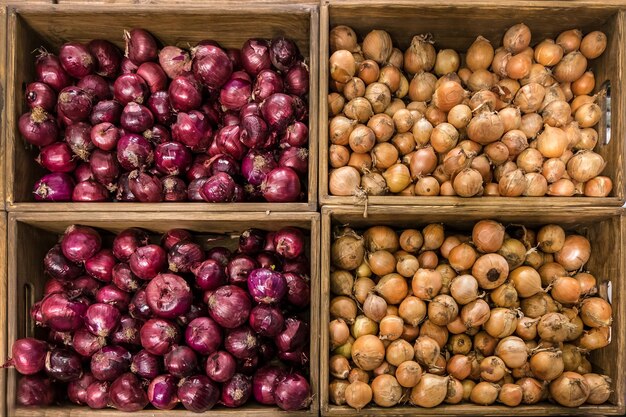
(3,308)
(32,235)
(604,227)
(3,83)
(451,29)
(33,26)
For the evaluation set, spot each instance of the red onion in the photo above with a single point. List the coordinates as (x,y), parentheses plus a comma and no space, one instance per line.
(78,137)
(100,265)
(86,286)
(281,185)
(162,392)
(128,241)
(256,165)
(203,335)
(292,392)
(236,391)
(264,383)
(49,70)
(154,76)
(105,136)
(38,127)
(251,241)
(91,191)
(238,194)
(127,334)
(75,103)
(299,290)
(124,279)
(123,189)
(159,105)
(296,159)
(296,135)
(77,390)
(235,94)
(253,131)
(185,93)
(220,366)
(239,268)
(127,66)
(35,313)
(278,111)
(140,46)
(63,365)
(181,361)
(193,130)
(55,285)
(146,365)
(126,393)
(136,118)
(267,83)
(228,142)
(220,254)
(168,296)
(174,61)
(106,111)
(241,342)
(105,168)
(110,294)
(297,79)
(157,134)
(212,66)
(34,390)
(110,362)
(134,151)
(147,188)
(197,309)
(76,59)
(248,365)
(87,344)
(234,55)
(266,320)
(96,86)
(172,158)
(293,336)
(98,394)
(218,189)
(138,307)
(250,109)
(198,393)
(101,319)
(175,236)
(214,150)
(183,256)
(60,338)
(40,95)
(255,56)
(289,242)
(107,57)
(28,355)
(148,261)
(283,53)
(174,189)
(80,243)
(58,266)
(269,260)
(300,109)
(158,335)
(54,187)
(83,172)
(130,87)
(267,286)
(229,306)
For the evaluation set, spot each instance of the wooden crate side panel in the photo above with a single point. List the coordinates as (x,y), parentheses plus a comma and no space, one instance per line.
(32,236)
(452,29)
(605,227)
(3,308)
(3,84)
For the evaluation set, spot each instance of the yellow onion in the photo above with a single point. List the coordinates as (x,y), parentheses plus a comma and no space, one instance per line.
(375,307)
(447,61)
(468,183)
(344,308)
(411,240)
(595,312)
(504,296)
(530,97)
(359,109)
(430,391)
(548,53)
(599,388)
(531,125)
(593,44)
(342,66)
(565,290)
(358,394)
(538,305)
(485,128)
(347,252)
(570,389)
(595,338)
(553,327)
(569,40)
(339,367)
(552,142)
(571,67)
(511,395)
(339,333)
(423,162)
(448,95)
(479,55)
(502,322)
(337,391)
(526,280)
(484,393)
(475,313)
(585,84)
(575,252)
(377,46)
(386,391)
(427,186)
(420,56)
(599,186)
(368,352)
(343,37)
(397,177)
(490,270)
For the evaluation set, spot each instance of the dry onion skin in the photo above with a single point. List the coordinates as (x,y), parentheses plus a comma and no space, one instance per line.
(516,117)
(490,314)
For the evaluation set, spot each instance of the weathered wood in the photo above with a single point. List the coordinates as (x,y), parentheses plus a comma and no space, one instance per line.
(34,26)
(3,308)
(31,236)
(3,74)
(604,227)
(451,28)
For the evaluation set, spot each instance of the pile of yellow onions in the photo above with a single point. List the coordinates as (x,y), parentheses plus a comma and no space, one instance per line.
(431,316)
(509,121)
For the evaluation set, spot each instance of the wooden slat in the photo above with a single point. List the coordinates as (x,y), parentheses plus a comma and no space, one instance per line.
(3,74)
(3,308)
(32,234)
(449,24)
(604,227)
(33,26)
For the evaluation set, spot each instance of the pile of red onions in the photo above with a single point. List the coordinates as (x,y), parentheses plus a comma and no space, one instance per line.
(433,315)
(170,322)
(207,124)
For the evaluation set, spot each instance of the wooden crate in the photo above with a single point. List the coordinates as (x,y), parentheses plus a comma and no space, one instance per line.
(604,227)
(32,26)
(456,25)
(31,235)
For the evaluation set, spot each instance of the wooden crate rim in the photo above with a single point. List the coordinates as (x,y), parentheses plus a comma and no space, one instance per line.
(473,4)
